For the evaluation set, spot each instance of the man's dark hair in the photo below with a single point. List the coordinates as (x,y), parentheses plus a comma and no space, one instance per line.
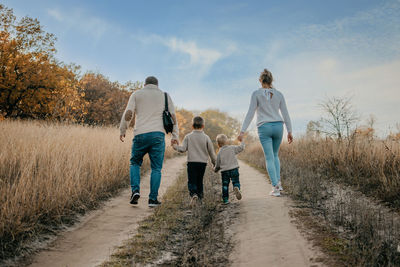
(198,122)
(151,80)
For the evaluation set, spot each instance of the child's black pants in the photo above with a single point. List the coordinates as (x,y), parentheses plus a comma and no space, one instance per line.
(195,172)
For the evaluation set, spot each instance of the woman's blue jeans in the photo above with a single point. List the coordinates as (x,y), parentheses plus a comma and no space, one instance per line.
(270,134)
(152,143)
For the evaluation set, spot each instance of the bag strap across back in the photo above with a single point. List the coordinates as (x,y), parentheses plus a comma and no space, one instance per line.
(166,101)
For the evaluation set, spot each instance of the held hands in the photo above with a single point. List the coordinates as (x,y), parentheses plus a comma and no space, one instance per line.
(121,137)
(290,138)
(240,137)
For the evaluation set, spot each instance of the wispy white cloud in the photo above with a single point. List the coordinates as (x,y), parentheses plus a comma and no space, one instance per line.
(80,20)
(200,57)
(56,14)
(197,55)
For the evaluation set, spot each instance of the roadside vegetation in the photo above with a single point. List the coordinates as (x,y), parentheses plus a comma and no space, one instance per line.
(180,235)
(50,172)
(353,185)
(369,166)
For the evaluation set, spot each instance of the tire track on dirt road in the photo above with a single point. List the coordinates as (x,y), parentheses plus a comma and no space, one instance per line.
(263,233)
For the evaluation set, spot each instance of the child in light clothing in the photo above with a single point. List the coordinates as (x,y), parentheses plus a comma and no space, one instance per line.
(229,166)
(199,148)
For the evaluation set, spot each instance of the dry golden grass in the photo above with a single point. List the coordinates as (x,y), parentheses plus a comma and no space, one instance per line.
(371,166)
(50,172)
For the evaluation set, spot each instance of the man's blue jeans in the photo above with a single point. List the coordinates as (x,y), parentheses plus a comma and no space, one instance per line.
(154,144)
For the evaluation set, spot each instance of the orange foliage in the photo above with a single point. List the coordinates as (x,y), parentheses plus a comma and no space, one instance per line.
(184,118)
(366,132)
(32,83)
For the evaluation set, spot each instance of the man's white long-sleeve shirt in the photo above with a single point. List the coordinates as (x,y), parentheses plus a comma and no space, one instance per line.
(147,105)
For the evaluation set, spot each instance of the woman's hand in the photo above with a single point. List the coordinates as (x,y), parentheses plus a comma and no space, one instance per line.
(290,138)
(240,137)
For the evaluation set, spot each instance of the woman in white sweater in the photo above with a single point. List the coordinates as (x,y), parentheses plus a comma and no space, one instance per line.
(267,102)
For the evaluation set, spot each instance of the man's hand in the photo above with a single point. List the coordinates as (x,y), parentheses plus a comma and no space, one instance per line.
(240,137)
(121,137)
(174,141)
(290,138)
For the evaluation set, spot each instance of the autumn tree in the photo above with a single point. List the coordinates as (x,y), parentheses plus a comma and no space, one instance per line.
(184,118)
(216,122)
(32,83)
(105,100)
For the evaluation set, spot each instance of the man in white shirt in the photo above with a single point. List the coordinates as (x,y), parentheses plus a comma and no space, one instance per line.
(147,105)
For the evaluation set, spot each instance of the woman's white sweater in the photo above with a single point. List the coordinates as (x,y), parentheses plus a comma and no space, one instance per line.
(267,108)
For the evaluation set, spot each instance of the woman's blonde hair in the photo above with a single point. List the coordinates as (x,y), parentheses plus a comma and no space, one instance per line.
(266,77)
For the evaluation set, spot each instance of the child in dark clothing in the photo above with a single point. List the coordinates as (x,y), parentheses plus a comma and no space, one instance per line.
(199,148)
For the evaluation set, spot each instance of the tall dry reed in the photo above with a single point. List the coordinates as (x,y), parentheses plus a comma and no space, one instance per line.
(370,166)
(51,172)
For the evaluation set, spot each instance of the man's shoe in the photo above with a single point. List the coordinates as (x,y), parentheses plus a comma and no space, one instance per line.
(237,192)
(135,197)
(154,203)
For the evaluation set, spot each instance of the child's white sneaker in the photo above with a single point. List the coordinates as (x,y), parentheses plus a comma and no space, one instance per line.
(275,192)
(237,192)
(280,186)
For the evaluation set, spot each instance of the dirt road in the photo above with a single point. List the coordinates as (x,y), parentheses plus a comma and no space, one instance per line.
(264,235)
(91,241)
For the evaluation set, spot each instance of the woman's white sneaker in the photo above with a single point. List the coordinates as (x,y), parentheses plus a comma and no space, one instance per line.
(275,192)
(280,186)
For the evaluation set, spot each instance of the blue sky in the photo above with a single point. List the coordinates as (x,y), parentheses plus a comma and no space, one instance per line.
(208,54)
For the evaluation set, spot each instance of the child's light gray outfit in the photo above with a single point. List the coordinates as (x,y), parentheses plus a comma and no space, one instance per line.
(226,158)
(198,146)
